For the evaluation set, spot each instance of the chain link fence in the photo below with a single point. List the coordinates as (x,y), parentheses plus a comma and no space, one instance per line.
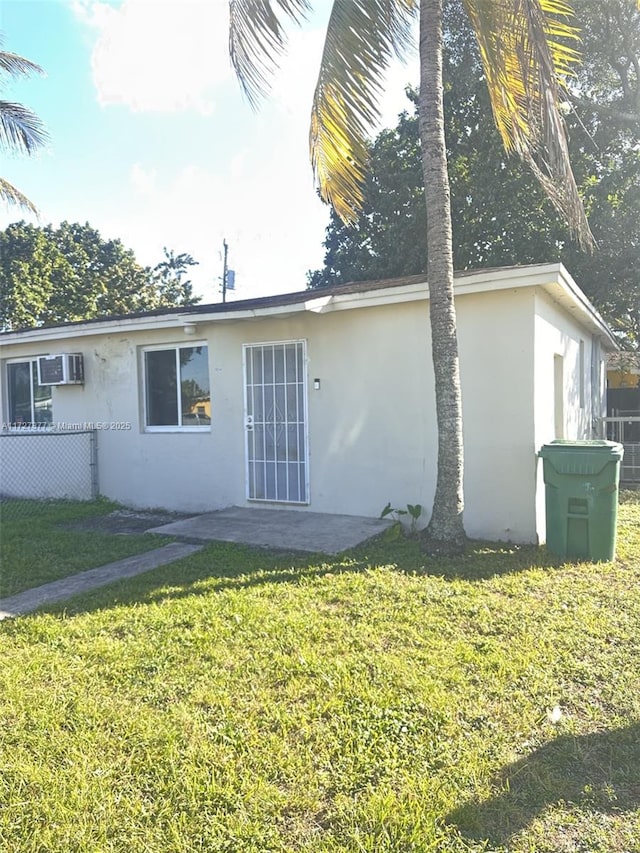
(40,465)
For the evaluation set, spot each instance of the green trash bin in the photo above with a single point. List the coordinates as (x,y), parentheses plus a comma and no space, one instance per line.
(581,497)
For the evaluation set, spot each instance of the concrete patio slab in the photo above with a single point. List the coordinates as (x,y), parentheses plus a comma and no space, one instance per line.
(48,593)
(289,530)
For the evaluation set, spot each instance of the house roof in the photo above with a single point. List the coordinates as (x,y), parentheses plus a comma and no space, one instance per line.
(553,278)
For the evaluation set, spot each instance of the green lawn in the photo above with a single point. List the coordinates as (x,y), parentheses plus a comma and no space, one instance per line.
(241,701)
(35,547)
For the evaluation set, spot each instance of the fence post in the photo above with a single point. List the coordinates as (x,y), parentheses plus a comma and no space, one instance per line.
(93,463)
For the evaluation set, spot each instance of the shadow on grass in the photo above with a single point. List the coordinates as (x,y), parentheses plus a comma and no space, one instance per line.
(219,566)
(223,565)
(596,772)
(481,560)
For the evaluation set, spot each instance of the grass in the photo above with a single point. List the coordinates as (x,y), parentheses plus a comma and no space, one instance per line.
(35,548)
(250,702)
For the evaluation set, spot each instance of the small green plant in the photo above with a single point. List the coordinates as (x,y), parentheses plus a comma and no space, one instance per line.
(397,529)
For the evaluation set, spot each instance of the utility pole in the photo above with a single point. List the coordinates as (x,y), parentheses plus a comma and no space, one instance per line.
(224,271)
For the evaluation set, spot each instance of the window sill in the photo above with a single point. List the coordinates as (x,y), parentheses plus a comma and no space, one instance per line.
(176,429)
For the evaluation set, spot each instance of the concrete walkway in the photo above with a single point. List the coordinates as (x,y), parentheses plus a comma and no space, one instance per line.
(49,593)
(291,530)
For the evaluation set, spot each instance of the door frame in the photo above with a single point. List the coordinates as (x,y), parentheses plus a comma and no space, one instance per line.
(246,347)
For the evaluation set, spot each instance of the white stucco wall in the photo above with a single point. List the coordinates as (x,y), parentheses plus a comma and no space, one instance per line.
(496,359)
(558,335)
(370,437)
(372,430)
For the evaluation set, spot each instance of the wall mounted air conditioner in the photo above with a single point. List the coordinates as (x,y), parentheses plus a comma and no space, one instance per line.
(62,369)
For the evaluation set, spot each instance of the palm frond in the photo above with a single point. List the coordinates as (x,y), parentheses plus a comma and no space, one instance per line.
(257,39)
(527,50)
(17,66)
(362,36)
(10,195)
(20,129)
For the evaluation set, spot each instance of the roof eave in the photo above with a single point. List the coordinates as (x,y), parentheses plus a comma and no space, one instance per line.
(553,278)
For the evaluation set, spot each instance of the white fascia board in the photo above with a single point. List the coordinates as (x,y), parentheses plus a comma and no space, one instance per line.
(107,327)
(474,282)
(471,282)
(567,293)
(320,305)
(553,278)
(141,324)
(176,321)
(504,279)
(383,296)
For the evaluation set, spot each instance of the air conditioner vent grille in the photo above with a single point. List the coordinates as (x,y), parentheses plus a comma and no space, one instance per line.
(61,369)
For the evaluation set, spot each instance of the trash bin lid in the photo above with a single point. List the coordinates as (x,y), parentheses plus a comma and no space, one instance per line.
(586,457)
(599,446)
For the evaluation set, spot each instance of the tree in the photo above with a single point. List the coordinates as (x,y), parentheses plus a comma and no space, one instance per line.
(525,49)
(169,275)
(56,275)
(387,239)
(500,217)
(609,81)
(20,129)
(28,267)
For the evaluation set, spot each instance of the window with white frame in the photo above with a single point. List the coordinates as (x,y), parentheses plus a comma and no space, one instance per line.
(177,388)
(29,403)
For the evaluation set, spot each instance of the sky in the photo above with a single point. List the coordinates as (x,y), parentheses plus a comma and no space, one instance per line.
(153,142)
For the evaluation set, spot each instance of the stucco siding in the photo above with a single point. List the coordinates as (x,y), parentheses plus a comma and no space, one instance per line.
(496,359)
(564,350)
(368,433)
(371,422)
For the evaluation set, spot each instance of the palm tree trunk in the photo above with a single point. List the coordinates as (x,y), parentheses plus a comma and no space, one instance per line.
(445,530)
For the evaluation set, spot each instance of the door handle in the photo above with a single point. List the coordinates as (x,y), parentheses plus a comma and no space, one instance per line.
(248,423)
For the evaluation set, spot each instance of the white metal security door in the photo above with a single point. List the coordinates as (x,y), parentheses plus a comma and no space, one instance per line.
(275,377)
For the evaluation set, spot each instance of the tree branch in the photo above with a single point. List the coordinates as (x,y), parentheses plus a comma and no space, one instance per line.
(631,119)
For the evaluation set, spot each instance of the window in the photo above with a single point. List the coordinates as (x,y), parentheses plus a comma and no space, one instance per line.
(177,393)
(558,395)
(30,404)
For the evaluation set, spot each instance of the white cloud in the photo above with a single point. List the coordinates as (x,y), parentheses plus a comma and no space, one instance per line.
(261,198)
(143,180)
(157,56)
